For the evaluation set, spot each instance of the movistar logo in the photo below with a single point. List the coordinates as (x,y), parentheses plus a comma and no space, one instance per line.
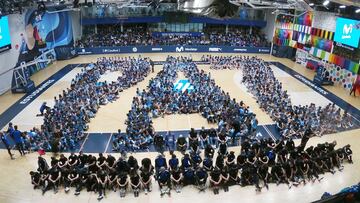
(179,49)
(347,30)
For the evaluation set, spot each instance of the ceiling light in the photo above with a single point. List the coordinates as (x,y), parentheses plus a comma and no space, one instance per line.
(311,4)
(326,2)
(357,10)
(342,6)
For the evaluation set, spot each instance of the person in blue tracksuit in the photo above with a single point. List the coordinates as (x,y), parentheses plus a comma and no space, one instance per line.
(16,135)
(6,143)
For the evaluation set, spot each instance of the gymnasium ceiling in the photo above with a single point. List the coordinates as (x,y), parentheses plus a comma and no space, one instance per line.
(212,8)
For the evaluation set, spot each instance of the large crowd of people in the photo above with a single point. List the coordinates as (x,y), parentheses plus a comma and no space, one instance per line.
(292,120)
(234,119)
(141,36)
(258,163)
(241,38)
(65,123)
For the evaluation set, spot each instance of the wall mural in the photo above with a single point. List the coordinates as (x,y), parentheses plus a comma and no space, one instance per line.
(342,77)
(320,43)
(44,31)
(305,19)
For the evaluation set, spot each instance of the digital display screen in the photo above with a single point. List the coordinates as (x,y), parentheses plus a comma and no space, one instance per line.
(5,41)
(347,32)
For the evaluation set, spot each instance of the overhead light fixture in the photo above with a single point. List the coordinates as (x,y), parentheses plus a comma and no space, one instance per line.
(357,10)
(311,4)
(326,2)
(342,6)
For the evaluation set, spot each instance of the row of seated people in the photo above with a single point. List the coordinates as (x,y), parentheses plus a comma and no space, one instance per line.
(259,163)
(65,123)
(169,141)
(292,120)
(141,36)
(206,98)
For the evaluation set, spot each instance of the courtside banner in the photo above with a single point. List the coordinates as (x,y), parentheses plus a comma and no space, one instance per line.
(152,49)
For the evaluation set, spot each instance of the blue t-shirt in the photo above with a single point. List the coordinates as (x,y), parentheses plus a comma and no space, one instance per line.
(5,140)
(17,136)
(164,176)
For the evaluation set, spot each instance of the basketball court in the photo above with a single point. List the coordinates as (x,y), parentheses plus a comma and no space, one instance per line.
(22,110)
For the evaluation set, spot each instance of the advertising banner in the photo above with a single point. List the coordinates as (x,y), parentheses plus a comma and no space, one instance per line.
(152,49)
(347,32)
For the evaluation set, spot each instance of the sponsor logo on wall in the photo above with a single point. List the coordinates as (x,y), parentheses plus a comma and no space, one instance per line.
(214,49)
(111,50)
(240,50)
(73,52)
(347,30)
(134,49)
(190,49)
(179,49)
(156,49)
(84,52)
(344,46)
(182,49)
(264,50)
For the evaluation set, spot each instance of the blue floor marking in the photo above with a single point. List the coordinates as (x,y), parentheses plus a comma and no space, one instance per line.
(273,130)
(96,142)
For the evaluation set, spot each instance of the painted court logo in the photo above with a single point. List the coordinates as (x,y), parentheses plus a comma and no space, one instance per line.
(183,85)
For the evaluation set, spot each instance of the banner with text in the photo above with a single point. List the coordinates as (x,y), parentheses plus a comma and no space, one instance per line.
(152,49)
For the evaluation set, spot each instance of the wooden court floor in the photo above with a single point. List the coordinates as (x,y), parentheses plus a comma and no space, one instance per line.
(15,185)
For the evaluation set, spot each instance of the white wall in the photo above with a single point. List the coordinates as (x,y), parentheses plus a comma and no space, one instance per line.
(270,23)
(324,20)
(8,59)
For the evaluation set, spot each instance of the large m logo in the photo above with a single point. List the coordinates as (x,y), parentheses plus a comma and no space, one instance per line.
(347,30)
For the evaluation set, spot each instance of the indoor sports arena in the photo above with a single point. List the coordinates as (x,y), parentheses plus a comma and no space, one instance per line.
(158,101)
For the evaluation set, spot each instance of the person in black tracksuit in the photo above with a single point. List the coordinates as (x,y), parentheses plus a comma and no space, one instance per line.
(209,151)
(215,179)
(42,165)
(135,182)
(201,178)
(263,173)
(122,182)
(83,180)
(234,178)
(53,180)
(176,179)
(102,180)
(35,179)
(72,179)
(147,170)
